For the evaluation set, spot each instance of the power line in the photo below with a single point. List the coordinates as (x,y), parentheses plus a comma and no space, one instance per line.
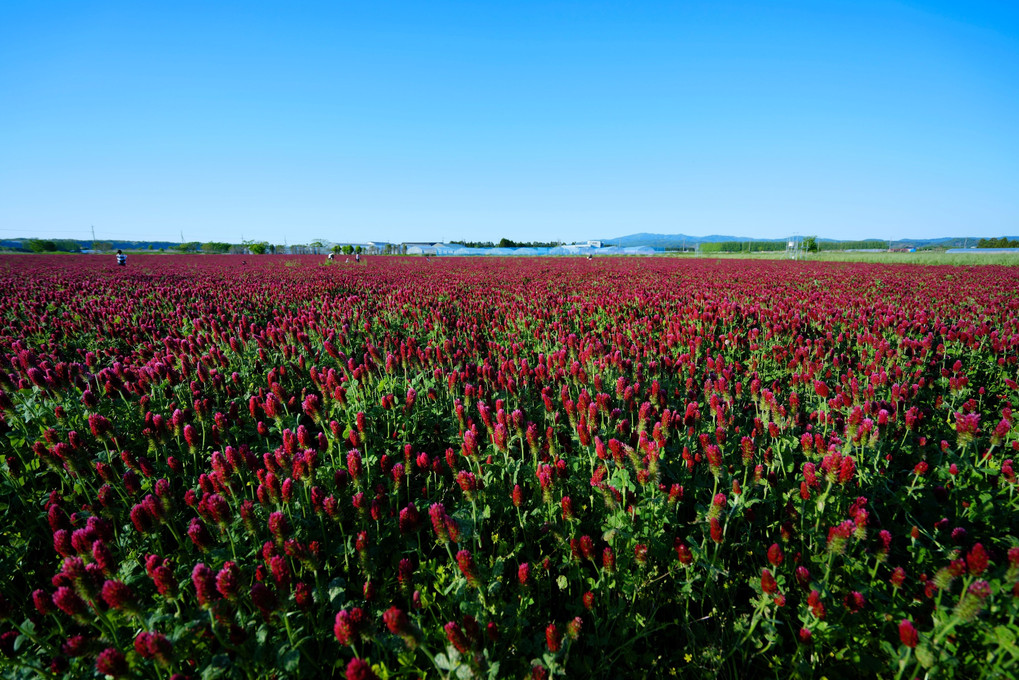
(107,235)
(47,231)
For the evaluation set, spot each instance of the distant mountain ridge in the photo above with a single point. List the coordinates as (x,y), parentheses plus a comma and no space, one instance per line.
(680,240)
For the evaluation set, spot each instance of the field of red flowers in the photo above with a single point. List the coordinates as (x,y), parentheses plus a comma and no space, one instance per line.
(507,468)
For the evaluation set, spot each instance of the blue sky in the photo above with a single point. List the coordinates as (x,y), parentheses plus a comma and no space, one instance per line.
(529,120)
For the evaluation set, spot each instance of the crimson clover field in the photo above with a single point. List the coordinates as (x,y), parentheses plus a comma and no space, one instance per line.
(278,468)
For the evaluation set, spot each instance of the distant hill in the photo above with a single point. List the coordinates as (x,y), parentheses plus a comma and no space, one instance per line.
(680,240)
(673,240)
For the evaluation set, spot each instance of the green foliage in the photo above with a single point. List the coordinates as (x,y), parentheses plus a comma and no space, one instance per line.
(189,247)
(742,246)
(60,245)
(40,246)
(258,248)
(66,245)
(871,244)
(1002,242)
(925,257)
(348,250)
(215,247)
(810,244)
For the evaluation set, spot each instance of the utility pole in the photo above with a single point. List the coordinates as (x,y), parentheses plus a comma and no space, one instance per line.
(93,236)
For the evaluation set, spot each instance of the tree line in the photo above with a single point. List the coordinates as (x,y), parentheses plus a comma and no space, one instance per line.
(1003,242)
(507,243)
(807,243)
(36,245)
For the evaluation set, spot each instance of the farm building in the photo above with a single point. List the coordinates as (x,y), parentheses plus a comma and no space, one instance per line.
(573,250)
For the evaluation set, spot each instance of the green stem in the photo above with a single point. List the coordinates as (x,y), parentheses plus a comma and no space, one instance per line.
(904,663)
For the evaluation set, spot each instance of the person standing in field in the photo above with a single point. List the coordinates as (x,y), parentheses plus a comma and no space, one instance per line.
(121,259)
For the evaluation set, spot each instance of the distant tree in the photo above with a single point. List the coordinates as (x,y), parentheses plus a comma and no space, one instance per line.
(348,250)
(867,244)
(189,247)
(357,250)
(40,246)
(810,244)
(258,248)
(337,249)
(474,244)
(215,247)
(508,243)
(66,245)
(102,246)
(1000,242)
